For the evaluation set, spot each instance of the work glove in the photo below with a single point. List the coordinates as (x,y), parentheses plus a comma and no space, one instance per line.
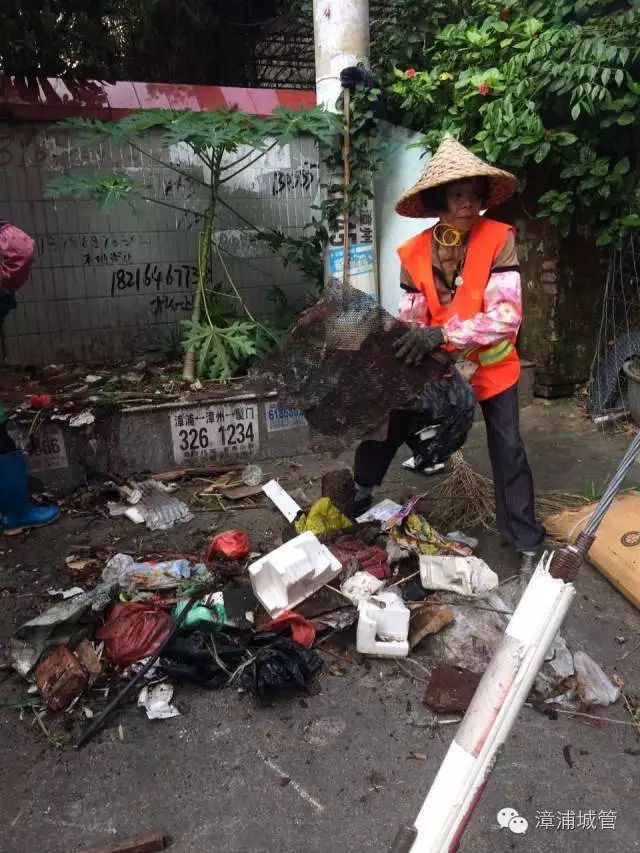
(418,342)
(353,76)
(7,303)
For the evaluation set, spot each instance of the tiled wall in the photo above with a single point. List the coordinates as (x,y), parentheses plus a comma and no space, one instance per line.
(107,286)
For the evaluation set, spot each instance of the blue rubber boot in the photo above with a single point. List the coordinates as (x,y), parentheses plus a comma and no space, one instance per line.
(16,511)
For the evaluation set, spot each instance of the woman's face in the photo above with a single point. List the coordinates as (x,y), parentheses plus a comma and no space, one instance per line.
(464,203)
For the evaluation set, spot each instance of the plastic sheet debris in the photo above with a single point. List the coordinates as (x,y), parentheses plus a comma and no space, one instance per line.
(559,658)
(291,573)
(125,571)
(381,512)
(150,503)
(302,631)
(412,531)
(156,700)
(594,688)
(356,556)
(133,631)
(427,619)
(463,539)
(66,593)
(60,678)
(85,418)
(471,640)
(283,501)
(283,665)
(252,475)
(65,623)
(339,619)
(383,626)
(450,689)
(322,518)
(232,545)
(469,576)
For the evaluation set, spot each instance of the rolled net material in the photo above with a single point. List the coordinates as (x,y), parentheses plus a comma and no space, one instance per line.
(337,365)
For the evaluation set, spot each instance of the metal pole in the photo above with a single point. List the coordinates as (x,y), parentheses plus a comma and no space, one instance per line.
(341,36)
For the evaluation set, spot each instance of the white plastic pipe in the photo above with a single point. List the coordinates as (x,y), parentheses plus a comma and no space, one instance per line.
(498,699)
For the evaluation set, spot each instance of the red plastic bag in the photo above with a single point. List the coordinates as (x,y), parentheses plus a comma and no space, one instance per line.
(302,631)
(134,631)
(232,544)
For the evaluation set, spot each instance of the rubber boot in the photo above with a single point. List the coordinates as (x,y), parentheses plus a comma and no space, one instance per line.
(16,511)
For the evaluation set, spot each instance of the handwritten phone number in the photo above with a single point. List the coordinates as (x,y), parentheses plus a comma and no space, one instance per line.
(152,276)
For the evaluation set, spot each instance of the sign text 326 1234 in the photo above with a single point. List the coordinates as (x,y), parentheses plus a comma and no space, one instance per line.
(215,431)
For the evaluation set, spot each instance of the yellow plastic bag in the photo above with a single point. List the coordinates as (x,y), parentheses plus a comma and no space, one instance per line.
(322,518)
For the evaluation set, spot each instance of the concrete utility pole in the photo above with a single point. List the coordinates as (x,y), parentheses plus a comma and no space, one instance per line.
(341,35)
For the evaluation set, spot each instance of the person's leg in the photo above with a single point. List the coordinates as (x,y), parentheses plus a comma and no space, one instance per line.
(515,504)
(16,511)
(373,458)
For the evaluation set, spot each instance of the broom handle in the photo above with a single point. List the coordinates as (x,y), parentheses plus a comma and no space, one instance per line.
(346,180)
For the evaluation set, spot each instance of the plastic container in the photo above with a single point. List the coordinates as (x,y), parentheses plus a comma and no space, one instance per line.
(632,372)
(293,572)
(383,626)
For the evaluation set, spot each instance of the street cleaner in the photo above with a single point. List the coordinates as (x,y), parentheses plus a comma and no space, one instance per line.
(16,511)
(462,295)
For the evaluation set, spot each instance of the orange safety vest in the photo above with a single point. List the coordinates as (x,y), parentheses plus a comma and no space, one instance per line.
(499,365)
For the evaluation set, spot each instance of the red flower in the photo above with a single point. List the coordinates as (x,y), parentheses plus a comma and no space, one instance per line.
(484,88)
(505,14)
(410,72)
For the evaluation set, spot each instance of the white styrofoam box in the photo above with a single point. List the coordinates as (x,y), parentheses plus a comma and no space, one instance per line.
(383,626)
(293,572)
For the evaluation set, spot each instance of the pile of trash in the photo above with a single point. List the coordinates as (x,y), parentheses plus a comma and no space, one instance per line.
(255,618)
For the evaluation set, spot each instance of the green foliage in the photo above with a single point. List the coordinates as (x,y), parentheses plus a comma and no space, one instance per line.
(366,157)
(305,253)
(549,90)
(181,41)
(221,349)
(106,191)
(222,331)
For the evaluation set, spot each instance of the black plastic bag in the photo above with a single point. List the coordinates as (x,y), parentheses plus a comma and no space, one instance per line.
(193,658)
(281,666)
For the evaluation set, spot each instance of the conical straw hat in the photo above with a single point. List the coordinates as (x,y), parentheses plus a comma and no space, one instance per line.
(453,162)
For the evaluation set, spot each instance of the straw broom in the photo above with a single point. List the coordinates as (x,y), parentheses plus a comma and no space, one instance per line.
(464,499)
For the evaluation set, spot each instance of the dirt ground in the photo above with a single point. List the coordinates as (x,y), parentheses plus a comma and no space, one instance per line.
(215,778)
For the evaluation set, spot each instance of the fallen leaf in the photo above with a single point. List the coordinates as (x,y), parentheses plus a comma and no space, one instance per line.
(284,781)
(419,756)
(120,733)
(337,669)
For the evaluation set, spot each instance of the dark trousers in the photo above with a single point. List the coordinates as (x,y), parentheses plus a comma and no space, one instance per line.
(515,506)
(7,444)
